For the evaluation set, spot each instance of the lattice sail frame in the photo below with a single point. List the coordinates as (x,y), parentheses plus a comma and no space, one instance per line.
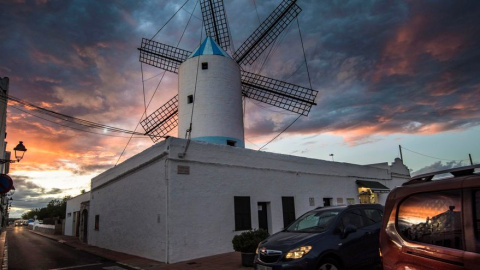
(158,124)
(280,94)
(162,55)
(215,21)
(267,32)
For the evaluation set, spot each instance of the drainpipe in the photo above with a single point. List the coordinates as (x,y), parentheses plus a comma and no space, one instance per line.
(167,237)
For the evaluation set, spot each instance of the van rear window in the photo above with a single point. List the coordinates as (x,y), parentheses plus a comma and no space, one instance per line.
(432,218)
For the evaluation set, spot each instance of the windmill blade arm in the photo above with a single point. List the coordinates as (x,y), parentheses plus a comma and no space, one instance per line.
(163,120)
(280,94)
(162,55)
(267,32)
(215,20)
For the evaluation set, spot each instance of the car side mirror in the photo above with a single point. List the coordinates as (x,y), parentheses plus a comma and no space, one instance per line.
(348,230)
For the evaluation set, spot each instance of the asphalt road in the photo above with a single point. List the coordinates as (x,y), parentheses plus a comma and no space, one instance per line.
(27,250)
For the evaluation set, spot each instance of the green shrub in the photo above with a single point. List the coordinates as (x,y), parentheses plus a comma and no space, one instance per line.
(247,242)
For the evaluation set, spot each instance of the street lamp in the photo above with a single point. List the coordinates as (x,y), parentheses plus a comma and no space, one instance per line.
(19,152)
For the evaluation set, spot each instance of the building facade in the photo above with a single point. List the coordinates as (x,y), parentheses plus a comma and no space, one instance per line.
(181,195)
(76,218)
(4,201)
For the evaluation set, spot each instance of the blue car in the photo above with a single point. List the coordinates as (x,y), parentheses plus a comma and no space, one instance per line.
(329,238)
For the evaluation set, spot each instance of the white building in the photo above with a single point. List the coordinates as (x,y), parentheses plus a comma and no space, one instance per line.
(181,199)
(76,219)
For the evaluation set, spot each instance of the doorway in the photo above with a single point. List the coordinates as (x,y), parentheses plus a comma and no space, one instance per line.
(262,215)
(327,201)
(76,224)
(84,226)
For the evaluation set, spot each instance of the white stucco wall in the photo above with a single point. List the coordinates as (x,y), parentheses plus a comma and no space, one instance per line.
(202,203)
(155,210)
(73,205)
(130,202)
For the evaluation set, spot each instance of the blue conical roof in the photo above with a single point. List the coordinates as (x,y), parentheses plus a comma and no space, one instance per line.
(209,46)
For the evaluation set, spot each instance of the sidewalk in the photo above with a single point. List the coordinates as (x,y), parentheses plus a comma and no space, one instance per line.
(226,261)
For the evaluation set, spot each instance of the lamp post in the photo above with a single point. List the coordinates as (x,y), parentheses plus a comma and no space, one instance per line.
(19,152)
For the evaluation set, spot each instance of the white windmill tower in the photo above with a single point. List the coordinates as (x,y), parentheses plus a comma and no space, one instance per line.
(210,96)
(208,106)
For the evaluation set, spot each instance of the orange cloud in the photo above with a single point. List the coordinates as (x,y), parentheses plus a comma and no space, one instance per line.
(412,40)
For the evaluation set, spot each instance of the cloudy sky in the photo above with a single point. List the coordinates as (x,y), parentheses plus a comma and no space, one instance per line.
(388,73)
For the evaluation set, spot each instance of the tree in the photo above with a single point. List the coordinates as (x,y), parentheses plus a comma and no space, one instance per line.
(55,208)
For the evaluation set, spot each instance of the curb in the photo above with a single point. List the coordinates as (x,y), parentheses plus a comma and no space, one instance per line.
(4,250)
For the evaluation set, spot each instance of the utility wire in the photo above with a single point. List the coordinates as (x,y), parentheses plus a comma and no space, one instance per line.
(431,156)
(304,55)
(169,20)
(280,132)
(78,129)
(163,75)
(309,80)
(189,131)
(67,118)
(256,10)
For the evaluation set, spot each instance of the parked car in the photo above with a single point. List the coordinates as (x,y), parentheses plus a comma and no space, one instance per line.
(433,224)
(337,237)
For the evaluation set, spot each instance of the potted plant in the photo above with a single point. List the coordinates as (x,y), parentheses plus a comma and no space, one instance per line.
(247,243)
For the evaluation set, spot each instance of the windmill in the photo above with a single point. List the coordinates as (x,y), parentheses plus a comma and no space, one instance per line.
(208,106)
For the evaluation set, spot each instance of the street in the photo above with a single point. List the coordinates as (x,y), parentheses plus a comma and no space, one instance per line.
(27,250)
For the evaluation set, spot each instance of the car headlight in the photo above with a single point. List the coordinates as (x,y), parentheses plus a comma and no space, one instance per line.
(298,253)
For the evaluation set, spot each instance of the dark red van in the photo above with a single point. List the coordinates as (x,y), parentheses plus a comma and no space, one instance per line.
(433,224)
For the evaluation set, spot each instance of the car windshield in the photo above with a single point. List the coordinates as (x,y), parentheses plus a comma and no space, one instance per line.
(316,221)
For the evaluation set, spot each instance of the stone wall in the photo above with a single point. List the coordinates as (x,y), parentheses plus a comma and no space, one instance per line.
(46,229)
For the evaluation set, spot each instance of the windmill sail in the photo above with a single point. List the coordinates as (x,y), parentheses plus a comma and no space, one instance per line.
(162,55)
(283,95)
(163,120)
(267,32)
(213,13)
(280,94)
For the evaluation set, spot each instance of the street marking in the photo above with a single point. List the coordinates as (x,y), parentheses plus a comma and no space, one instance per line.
(77,266)
(127,265)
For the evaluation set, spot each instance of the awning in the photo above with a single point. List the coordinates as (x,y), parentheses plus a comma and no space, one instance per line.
(373,186)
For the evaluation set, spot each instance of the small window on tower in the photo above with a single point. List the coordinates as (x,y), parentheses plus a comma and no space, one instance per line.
(205,65)
(190,99)
(231,143)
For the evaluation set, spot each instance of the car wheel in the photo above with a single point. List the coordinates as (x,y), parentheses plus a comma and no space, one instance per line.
(329,264)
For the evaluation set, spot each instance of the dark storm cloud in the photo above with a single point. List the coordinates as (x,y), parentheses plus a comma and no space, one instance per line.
(92,167)
(29,195)
(23,184)
(439,166)
(389,67)
(63,50)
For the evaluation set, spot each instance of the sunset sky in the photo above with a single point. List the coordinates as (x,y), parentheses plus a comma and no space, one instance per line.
(388,73)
